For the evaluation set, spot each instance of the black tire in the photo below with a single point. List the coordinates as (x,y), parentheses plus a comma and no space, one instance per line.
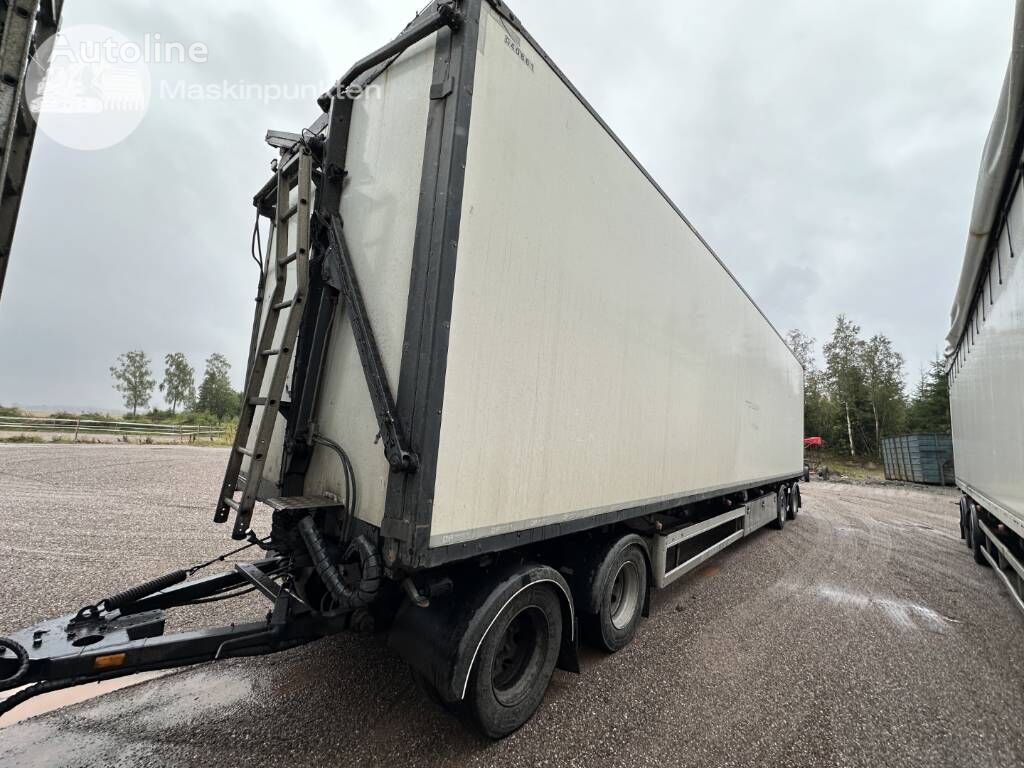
(977,537)
(807,474)
(621,599)
(515,662)
(794,502)
(963,521)
(780,510)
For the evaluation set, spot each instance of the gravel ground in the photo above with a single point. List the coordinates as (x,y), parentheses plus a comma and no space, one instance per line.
(862,635)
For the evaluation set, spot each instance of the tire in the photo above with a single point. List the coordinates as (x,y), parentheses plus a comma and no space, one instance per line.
(794,502)
(621,600)
(807,474)
(963,521)
(780,510)
(977,537)
(515,663)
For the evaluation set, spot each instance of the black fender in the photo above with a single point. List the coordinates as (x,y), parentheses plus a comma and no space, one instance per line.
(591,566)
(441,641)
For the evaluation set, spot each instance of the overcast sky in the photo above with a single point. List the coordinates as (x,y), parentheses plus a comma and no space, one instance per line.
(827,150)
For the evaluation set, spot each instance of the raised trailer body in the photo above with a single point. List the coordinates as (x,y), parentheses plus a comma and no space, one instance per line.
(582,356)
(985,345)
(499,388)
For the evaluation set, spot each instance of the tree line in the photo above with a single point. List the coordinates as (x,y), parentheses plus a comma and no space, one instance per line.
(859,397)
(133,378)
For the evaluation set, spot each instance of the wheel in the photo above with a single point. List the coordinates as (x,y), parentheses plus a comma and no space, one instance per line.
(515,662)
(977,537)
(807,474)
(794,502)
(963,521)
(780,509)
(621,600)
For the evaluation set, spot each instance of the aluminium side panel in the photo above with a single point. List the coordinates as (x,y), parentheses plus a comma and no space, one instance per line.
(600,356)
(986,379)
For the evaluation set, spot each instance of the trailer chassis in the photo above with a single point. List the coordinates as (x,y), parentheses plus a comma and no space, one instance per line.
(124,634)
(996,537)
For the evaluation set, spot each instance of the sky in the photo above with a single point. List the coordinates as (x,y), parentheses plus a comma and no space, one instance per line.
(827,150)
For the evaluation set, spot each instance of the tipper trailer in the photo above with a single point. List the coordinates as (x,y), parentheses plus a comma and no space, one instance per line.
(985,345)
(498,389)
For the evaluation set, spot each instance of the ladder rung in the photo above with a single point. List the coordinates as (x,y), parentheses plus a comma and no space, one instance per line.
(250,454)
(290,258)
(282,305)
(231,503)
(254,401)
(273,352)
(289,213)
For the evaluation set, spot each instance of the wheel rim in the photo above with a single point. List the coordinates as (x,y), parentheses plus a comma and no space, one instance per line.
(625,595)
(522,646)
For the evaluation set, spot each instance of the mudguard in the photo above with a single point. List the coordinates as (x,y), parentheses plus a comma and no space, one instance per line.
(441,641)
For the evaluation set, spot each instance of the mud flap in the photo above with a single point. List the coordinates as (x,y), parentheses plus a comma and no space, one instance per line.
(441,641)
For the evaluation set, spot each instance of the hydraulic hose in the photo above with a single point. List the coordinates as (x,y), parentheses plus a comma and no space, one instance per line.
(22,656)
(348,598)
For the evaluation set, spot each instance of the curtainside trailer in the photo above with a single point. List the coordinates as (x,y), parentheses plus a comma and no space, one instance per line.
(985,345)
(499,389)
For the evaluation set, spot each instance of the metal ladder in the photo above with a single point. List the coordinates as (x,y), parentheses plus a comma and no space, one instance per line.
(294,173)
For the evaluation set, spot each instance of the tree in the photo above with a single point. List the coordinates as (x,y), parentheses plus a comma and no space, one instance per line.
(179,384)
(883,379)
(817,408)
(803,348)
(216,395)
(929,407)
(133,379)
(843,374)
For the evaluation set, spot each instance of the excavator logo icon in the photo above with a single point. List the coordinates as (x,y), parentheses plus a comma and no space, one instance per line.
(94,89)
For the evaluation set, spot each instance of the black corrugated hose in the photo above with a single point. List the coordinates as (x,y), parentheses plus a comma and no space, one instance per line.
(347,598)
(22,655)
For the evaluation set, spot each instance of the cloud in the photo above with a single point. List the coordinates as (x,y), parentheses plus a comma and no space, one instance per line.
(826,150)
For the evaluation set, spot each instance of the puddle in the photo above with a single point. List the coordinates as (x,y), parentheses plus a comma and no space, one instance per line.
(711,569)
(49,702)
(902,613)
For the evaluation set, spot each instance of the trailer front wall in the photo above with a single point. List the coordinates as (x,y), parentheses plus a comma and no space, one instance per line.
(379,207)
(985,379)
(600,356)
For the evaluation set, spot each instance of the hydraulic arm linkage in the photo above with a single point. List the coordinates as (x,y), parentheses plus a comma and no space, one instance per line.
(337,283)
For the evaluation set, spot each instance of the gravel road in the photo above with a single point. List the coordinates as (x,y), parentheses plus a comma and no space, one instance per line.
(862,635)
